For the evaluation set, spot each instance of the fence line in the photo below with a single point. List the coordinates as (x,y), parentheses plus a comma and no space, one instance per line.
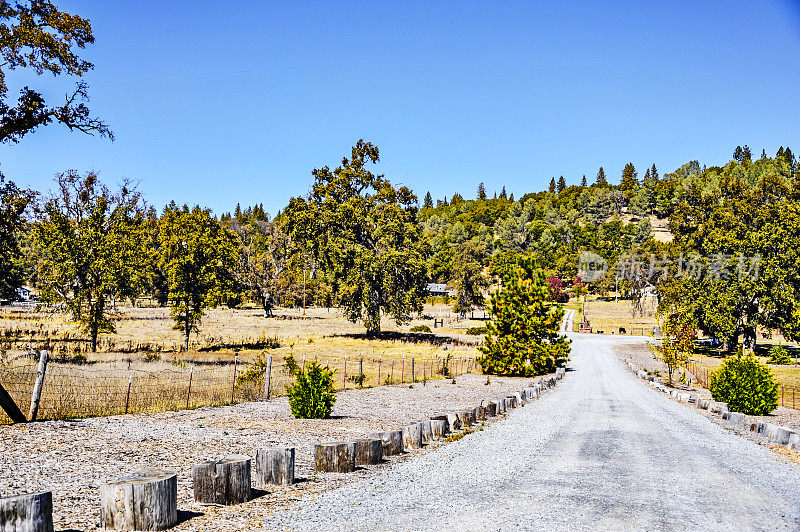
(75,391)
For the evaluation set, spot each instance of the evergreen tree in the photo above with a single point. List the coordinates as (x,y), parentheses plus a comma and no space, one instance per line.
(654,173)
(629,184)
(13,202)
(503,193)
(522,337)
(601,178)
(457,198)
(562,184)
(552,188)
(511,197)
(583,181)
(763,154)
(481,192)
(428,203)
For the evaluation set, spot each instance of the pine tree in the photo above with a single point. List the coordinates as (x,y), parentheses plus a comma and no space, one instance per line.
(763,154)
(523,338)
(629,184)
(562,184)
(511,197)
(428,201)
(457,198)
(552,188)
(654,173)
(601,178)
(583,181)
(481,192)
(503,193)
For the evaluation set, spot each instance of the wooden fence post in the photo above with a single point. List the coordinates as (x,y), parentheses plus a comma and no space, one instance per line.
(128,395)
(412,370)
(269,376)
(36,397)
(233,385)
(7,403)
(361,370)
(189,390)
(403,370)
(380,359)
(344,375)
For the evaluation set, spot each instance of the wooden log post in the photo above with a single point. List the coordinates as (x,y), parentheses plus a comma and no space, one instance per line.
(36,396)
(10,407)
(225,481)
(442,417)
(511,402)
(454,421)
(392,442)
(335,457)
(31,512)
(274,466)
(490,410)
(145,500)
(427,431)
(439,428)
(480,413)
(269,377)
(501,405)
(412,436)
(369,451)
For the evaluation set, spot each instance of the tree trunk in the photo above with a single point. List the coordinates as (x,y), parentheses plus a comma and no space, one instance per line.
(225,481)
(392,442)
(426,431)
(145,500)
(336,457)
(439,428)
(32,512)
(491,409)
(274,466)
(412,436)
(369,451)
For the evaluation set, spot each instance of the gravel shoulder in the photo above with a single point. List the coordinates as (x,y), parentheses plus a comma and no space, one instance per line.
(601,451)
(72,458)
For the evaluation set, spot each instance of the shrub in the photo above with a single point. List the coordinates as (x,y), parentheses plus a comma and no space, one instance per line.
(745,384)
(476,330)
(312,395)
(255,372)
(778,355)
(152,357)
(421,328)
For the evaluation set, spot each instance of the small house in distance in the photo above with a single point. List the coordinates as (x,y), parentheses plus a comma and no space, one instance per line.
(26,293)
(436,289)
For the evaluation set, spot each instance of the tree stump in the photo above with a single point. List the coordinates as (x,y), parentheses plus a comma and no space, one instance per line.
(467,418)
(392,441)
(335,457)
(427,431)
(511,401)
(31,512)
(412,436)
(454,421)
(145,500)
(225,481)
(490,410)
(274,466)
(439,428)
(480,413)
(441,417)
(369,451)
(501,405)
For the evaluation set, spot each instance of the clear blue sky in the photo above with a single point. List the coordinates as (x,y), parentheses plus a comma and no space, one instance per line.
(218,103)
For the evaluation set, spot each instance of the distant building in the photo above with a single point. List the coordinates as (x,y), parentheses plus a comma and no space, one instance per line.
(26,293)
(437,290)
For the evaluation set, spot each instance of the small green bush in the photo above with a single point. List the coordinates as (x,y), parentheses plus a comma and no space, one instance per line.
(421,328)
(254,372)
(312,395)
(778,355)
(745,384)
(476,330)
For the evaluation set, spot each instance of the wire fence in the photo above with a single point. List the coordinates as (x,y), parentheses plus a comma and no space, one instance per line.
(75,391)
(788,394)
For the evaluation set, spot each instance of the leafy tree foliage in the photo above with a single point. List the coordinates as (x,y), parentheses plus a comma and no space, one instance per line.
(91,245)
(13,202)
(522,337)
(199,258)
(469,280)
(264,256)
(601,180)
(365,234)
(778,355)
(36,35)
(481,192)
(745,384)
(630,184)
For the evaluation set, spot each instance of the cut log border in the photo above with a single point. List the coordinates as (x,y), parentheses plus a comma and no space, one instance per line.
(274,466)
(31,512)
(145,500)
(225,481)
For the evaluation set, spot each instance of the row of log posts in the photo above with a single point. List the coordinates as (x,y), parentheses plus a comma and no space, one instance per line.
(147,499)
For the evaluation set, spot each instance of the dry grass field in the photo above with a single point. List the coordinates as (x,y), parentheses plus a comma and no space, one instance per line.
(610,316)
(143,368)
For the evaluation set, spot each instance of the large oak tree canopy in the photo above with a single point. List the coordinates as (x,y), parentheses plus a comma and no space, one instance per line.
(365,234)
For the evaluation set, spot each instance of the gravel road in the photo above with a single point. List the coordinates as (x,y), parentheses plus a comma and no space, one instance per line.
(600,451)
